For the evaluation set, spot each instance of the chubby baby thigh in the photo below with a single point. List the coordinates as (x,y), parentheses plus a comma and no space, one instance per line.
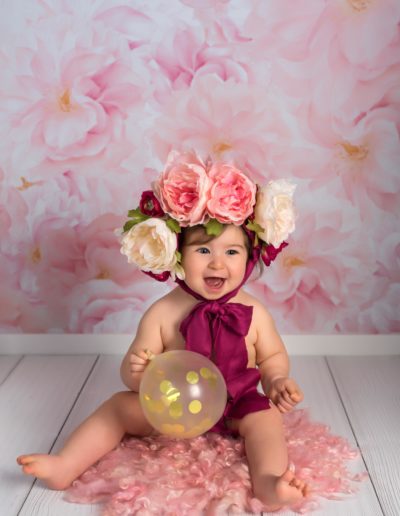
(127,407)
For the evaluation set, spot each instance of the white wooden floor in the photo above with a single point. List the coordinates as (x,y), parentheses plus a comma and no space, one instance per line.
(43,397)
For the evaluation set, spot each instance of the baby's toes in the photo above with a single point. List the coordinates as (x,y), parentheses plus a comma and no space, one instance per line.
(25,459)
(299,484)
(29,469)
(302,486)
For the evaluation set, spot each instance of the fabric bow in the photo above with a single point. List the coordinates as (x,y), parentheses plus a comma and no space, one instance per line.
(211,323)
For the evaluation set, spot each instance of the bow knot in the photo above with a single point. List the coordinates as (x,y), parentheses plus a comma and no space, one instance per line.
(210,324)
(234,316)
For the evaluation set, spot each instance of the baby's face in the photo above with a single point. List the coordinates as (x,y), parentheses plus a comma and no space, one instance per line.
(217,267)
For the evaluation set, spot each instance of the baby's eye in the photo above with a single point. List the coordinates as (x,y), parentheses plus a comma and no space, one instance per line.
(231,251)
(203,250)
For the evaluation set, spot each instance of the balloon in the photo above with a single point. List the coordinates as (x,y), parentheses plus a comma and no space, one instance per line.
(182,393)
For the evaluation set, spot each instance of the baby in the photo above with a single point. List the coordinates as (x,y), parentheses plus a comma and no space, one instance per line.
(210,313)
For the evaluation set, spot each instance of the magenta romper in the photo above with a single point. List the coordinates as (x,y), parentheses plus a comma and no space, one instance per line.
(217,330)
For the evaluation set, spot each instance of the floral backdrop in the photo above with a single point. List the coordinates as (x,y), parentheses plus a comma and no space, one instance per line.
(95,94)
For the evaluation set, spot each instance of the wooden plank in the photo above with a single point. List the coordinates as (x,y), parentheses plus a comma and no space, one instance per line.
(323,402)
(103,382)
(7,363)
(44,502)
(34,401)
(370,390)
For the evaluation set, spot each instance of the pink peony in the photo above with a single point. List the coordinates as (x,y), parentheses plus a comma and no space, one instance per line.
(73,96)
(183,188)
(81,277)
(383,314)
(360,157)
(103,307)
(20,312)
(226,120)
(232,196)
(328,264)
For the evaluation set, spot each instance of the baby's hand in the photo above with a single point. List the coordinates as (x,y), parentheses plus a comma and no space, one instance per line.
(138,361)
(285,393)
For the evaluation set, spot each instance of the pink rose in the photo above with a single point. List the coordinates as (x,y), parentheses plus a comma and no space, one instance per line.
(232,195)
(183,188)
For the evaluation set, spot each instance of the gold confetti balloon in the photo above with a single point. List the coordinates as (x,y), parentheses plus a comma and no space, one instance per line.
(182,393)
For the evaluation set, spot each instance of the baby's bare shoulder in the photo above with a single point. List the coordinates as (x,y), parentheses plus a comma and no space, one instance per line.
(167,307)
(260,312)
(247,299)
(159,306)
(167,313)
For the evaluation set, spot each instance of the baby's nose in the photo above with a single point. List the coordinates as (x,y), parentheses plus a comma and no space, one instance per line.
(216,262)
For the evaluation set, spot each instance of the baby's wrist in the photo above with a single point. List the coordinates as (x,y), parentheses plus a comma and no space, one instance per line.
(275,378)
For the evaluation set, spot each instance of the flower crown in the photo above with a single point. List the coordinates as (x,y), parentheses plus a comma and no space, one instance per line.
(190,192)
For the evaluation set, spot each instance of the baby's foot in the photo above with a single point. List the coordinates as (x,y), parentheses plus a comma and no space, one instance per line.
(288,489)
(52,469)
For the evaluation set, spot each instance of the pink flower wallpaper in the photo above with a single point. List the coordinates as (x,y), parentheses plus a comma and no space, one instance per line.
(95,94)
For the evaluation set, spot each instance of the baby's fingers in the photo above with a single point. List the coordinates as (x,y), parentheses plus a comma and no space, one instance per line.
(294,391)
(286,396)
(140,355)
(137,368)
(283,405)
(296,397)
(138,361)
(292,399)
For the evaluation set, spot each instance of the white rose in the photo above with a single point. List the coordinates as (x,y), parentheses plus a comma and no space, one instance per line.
(152,246)
(274,211)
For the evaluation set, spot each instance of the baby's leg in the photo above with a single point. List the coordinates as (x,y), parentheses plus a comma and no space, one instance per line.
(273,483)
(96,436)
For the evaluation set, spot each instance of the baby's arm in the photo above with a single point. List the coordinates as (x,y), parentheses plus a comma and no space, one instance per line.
(273,363)
(147,343)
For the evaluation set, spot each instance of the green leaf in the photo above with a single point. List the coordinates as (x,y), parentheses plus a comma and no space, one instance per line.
(173,225)
(253,226)
(213,227)
(257,229)
(128,225)
(132,213)
(137,215)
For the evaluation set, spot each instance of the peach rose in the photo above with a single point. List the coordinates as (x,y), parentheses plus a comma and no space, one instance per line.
(274,211)
(232,194)
(183,188)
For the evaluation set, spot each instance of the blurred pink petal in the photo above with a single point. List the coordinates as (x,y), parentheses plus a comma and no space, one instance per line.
(187,54)
(125,19)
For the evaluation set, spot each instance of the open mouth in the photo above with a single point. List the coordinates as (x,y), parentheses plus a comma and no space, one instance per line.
(214,283)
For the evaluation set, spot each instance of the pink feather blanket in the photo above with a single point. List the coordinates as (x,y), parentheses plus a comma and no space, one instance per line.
(209,474)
